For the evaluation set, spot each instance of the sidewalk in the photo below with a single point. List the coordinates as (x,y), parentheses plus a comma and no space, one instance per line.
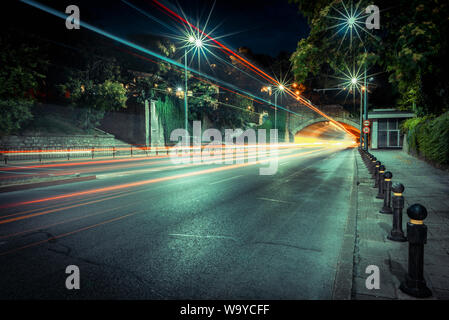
(424,184)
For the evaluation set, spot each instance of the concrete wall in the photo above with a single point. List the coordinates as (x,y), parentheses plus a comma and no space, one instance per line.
(127,125)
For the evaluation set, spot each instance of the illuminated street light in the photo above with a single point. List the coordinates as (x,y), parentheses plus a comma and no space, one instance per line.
(197,43)
(351,22)
(348,20)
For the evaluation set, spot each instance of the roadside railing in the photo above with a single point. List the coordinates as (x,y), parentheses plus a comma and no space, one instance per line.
(42,154)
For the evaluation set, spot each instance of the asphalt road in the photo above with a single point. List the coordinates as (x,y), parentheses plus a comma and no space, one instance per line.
(149,229)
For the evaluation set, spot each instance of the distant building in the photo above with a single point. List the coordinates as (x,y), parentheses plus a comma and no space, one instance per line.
(385,128)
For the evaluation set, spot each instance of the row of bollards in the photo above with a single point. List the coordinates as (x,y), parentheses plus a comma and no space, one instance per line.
(414,283)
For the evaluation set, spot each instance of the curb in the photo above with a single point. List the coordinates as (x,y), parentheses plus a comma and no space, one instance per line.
(342,288)
(27,186)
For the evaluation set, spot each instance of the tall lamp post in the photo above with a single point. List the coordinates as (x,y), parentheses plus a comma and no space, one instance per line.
(198,43)
(362,89)
(365,136)
(280,88)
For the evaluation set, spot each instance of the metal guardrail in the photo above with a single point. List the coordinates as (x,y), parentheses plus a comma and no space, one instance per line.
(75,152)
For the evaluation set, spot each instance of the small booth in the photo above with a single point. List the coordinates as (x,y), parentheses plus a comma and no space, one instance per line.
(385,128)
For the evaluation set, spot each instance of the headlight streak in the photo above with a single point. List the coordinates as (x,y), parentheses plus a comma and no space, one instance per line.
(151,181)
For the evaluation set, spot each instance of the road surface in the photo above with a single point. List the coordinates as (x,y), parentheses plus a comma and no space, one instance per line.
(150,229)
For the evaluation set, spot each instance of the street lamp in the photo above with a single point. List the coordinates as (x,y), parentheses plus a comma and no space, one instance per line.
(198,43)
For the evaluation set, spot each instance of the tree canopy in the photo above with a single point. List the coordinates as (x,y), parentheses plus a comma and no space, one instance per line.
(411,46)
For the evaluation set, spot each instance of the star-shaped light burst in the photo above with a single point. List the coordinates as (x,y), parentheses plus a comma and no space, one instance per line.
(197,41)
(350,80)
(350,21)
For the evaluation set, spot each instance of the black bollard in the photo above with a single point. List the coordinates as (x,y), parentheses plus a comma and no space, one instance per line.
(387,193)
(396,233)
(372,165)
(414,283)
(367,160)
(376,173)
(380,180)
(377,177)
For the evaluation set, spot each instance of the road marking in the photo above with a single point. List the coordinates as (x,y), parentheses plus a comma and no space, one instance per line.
(274,200)
(227,179)
(199,236)
(284,163)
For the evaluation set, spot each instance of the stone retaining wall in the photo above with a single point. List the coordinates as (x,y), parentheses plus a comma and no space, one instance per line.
(33,142)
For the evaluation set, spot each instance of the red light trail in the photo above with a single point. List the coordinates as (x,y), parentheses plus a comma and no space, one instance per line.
(253,67)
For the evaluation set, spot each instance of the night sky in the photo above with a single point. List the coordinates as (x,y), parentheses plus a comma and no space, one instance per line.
(265,26)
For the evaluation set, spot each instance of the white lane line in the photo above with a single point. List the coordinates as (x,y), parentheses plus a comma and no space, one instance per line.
(198,236)
(227,179)
(284,163)
(274,200)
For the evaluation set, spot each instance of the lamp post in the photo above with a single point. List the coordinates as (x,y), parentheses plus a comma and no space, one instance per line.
(361,114)
(280,88)
(198,43)
(365,136)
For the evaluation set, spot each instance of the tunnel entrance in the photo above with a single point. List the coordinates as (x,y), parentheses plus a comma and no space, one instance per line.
(327,131)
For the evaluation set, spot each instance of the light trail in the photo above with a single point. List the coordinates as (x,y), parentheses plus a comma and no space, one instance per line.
(70,233)
(254,68)
(43,227)
(198,78)
(151,181)
(18,217)
(144,50)
(68,202)
(141,158)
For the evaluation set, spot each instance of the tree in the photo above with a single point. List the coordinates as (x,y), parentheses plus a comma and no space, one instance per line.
(411,46)
(21,73)
(94,91)
(92,100)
